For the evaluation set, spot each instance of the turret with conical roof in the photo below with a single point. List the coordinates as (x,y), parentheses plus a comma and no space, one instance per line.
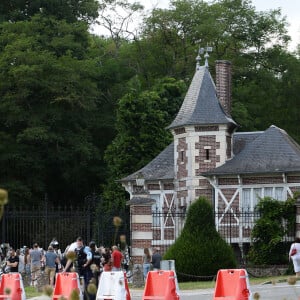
(202,133)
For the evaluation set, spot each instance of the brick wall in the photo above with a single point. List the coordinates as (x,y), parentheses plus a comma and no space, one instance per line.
(206,128)
(141,230)
(182,158)
(228,181)
(262,180)
(153,187)
(228,193)
(204,193)
(140,210)
(206,144)
(293,179)
(168,186)
(223,84)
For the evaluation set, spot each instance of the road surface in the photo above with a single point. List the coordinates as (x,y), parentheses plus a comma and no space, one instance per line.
(278,291)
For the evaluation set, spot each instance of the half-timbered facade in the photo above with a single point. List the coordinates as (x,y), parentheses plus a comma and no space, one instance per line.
(209,158)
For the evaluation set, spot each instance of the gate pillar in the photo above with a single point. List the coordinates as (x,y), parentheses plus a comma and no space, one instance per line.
(297,229)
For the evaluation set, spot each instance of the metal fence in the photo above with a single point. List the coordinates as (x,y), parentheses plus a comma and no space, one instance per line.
(234,226)
(24,226)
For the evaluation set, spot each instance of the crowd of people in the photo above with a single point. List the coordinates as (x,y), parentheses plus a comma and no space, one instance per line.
(87,260)
(151,262)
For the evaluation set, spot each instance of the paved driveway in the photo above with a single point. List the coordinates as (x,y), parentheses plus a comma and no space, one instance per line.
(279,291)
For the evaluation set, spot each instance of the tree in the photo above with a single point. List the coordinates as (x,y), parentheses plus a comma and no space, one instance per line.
(116,17)
(200,250)
(287,109)
(249,39)
(71,11)
(48,95)
(141,120)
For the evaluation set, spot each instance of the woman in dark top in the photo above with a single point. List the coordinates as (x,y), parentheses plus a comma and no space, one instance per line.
(106,259)
(13,261)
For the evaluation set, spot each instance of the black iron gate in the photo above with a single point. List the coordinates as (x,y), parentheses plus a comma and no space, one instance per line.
(22,226)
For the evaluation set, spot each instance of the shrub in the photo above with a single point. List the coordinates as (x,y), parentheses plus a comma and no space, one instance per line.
(277,219)
(200,251)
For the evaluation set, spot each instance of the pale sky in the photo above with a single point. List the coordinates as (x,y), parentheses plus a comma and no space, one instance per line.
(289,8)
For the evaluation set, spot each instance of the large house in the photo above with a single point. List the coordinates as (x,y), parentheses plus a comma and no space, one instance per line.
(209,158)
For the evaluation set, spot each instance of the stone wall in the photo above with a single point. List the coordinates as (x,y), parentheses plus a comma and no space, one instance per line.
(260,271)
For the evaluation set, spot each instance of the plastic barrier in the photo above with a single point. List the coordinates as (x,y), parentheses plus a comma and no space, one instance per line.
(65,284)
(161,285)
(11,287)
(113,285)
(232,284)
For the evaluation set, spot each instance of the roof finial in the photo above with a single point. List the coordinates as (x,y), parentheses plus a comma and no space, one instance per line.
(198,58)
(206,55)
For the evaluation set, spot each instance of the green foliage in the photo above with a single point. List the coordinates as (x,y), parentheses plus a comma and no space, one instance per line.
(200,250)
(72,11)
(65,95)
(48,105)
(141,121)
(277,219)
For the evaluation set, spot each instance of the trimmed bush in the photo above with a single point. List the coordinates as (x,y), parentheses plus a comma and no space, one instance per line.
(200,251)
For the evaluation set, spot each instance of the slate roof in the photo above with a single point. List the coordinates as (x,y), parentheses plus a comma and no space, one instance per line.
(271,151)
(243,139)
(201,105)
(160,168)
(260,152)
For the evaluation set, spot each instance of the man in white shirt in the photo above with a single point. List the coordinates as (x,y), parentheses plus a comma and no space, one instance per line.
(83,257)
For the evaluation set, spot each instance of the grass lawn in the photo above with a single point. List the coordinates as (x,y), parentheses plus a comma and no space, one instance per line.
(31,292)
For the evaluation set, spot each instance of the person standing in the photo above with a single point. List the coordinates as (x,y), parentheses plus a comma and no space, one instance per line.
(13,261)
(106,259)
(146,262)
(82,261)
(35,255)
(21,266)
(27,274)
(294,255)
(51,260)
(95,264)
(116,259)
(54,243)
(156,259)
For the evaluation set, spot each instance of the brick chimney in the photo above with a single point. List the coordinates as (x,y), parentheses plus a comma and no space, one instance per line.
(223,84)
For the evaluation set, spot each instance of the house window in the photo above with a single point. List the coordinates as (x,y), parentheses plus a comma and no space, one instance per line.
(268,192)
(246,200)
(182,156)
(207,154)
(251,196)
(156,209)
(256,196)
(246,206)
(279,194)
